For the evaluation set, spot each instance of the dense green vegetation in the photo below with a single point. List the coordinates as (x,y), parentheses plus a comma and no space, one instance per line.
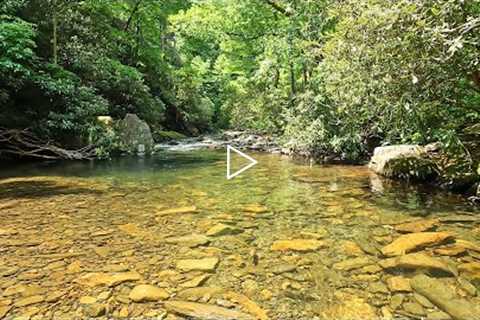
(327,76)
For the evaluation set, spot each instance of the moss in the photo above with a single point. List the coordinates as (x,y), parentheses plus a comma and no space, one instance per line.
(411,168)
(160,136)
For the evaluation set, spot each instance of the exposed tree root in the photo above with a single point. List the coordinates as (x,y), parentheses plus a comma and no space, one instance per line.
(22,143)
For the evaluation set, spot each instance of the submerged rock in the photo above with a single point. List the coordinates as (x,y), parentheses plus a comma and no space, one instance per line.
(417,226)
(222,230)
(95,310)
(98,279)
(192,241)
(301,245)
(145,292)
(413,241)
(205,264)
(418,261)
(205,311)
(29,301)
(181,210)
(195,282)
(399,284)
(445,298)
(352,264)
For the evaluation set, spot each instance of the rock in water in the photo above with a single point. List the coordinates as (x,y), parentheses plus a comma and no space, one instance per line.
(413,241)
(98,279)
(222,230)
(192,241)
(205,264)
(29,301)
(205,311)
(298,245)
(145,292)
(351,264)
(134,133)
(399,284)
(403,161)
(417,226)
(418,261)
(181,210)
(445,298)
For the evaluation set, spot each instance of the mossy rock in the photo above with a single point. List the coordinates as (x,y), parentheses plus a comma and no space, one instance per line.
(411,168)
(162,136)
(133,133)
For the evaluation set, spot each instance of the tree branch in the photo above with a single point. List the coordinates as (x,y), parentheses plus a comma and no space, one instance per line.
(135,9)
(277,7)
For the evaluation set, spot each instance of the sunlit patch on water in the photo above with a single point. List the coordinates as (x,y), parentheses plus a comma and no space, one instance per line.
(283,240)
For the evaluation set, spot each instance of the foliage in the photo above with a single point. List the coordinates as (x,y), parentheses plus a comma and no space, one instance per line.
(331,77)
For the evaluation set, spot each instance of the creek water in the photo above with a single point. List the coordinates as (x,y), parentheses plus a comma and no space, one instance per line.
(77,237)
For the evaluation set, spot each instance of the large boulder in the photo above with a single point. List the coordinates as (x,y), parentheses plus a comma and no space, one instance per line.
(404,162)
(135,134)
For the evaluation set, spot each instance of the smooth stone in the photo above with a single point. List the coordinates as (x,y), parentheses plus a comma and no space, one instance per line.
(205,311)
(414,308)
(445,298)
(6,272)
(255,208)
(223,230)
(199,293)
(419,261)
(98,279)
(54,296)
(367,246)
(29,301)
(468,245)
(282,268)
(378,287)
(4,310)
(205,264)
(352,264)
(417,226)
(192,241)
(373,268)
(301,245)
(438,315)
(87,300)
(396,301)
(95,310)
(471,270)
(450,251)
(195,281)
(467,286)
(132,230)
(459,218)
(104,296)
(145,292)
(181,210)
(348,306)
(423,301)
(399,284)
(413,241)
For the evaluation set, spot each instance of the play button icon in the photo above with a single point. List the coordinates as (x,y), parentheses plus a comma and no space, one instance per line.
(229,158)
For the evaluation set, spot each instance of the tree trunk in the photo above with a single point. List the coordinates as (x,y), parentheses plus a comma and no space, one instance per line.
(55,31)
(292,79)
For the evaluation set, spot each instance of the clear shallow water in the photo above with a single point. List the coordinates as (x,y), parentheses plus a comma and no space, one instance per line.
(63,222)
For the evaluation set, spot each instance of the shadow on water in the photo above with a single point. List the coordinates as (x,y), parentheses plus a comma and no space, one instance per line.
(39,189)
(121,165)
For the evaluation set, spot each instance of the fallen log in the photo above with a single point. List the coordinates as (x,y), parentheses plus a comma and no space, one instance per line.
(24,144)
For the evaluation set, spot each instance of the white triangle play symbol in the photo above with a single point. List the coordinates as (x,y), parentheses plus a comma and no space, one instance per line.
(251,164)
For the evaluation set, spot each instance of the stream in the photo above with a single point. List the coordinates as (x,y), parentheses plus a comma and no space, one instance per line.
(169,237)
